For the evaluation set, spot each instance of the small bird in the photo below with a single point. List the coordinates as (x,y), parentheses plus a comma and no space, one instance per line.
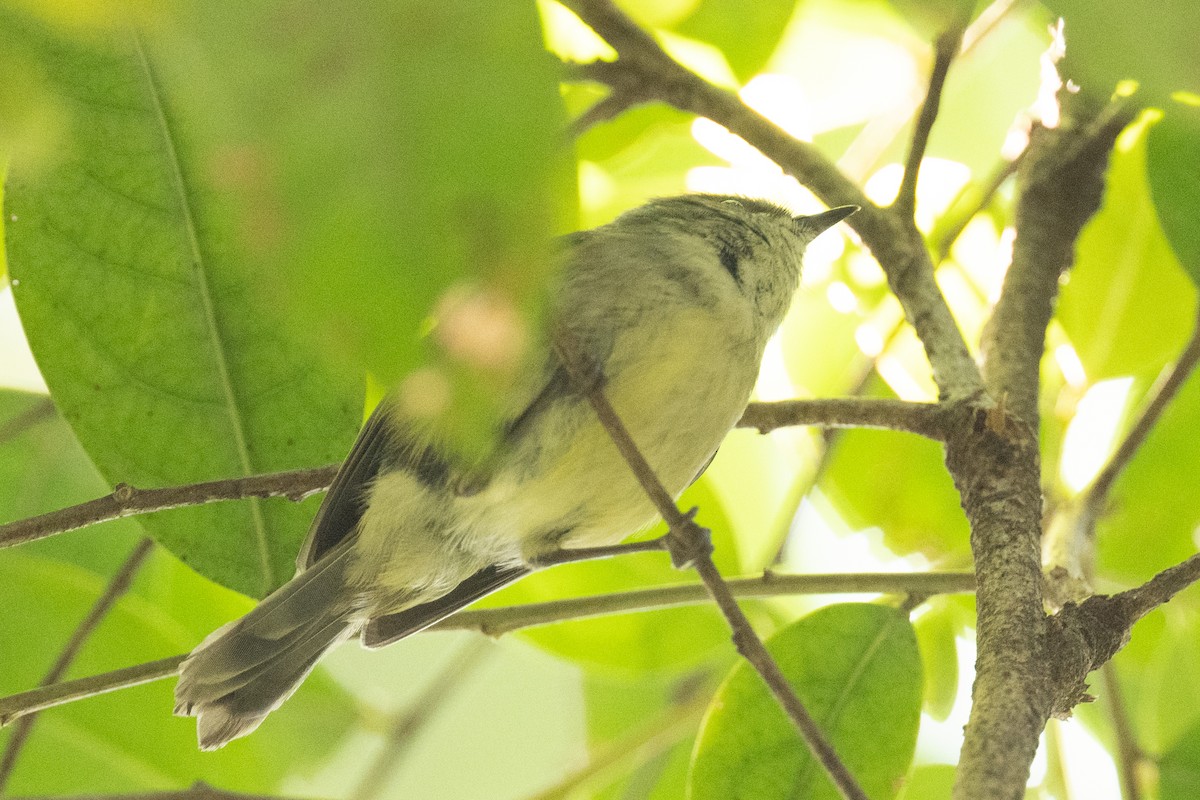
(673,304)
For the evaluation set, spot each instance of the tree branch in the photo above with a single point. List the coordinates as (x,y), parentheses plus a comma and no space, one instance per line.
(296,485)
(1084,636)
(117,587)
(499,621)
(16,706)
(924,419)
(127,501)
(994,461)
(944,50)
(1060,186)
(197,791)
(1161,395)
(618,100)
(1129,752)
(645,69)
(692,546)
(950,233)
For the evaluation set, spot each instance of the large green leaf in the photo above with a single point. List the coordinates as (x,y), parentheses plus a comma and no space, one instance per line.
(929,782)
(746,33)
(385,165)
(937,630)
(128,740)
(1179,768)
(1126,275)
(147,321)
(1107,42)
(1173,169)
(920,513)
(857,670)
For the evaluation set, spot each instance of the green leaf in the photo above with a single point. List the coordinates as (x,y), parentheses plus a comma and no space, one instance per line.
(388,166)
(929,18)
(1126,274)
(920,513)
(1156,49)
(746,33)
(857,670)
(128,740)
(937,630)
(1173,169)
(149,325)
(1179,768)
(929,782)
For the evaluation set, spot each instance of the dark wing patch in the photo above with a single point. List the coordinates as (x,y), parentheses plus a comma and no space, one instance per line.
(393,627)
(557,387)
(381,446)
(729,260)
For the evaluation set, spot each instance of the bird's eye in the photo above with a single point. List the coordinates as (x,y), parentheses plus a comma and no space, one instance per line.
(733,203)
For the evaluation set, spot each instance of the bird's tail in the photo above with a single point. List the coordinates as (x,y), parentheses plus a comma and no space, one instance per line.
(247,668)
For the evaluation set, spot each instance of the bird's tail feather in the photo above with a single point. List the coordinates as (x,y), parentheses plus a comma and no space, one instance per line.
(246,669)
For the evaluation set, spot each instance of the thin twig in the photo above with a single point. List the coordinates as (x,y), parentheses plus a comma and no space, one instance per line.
(127,501)
(117,587)
(924,419)
(1060,186)
(899,248)
(603,110)
(1002,172)
(197,791)
(945,49)
(498,621)
(40,411)
(1161,395)
(16,706)
(691,546)
(987,22)
(1140,601)
(408,723)
(574,554)
(1083,637)
(645,744)
(1129,753)
(296,485)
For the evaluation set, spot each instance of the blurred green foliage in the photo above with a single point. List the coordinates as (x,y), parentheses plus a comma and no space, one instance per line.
(222,220)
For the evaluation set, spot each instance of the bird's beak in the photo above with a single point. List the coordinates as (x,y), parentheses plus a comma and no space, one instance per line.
(817,223)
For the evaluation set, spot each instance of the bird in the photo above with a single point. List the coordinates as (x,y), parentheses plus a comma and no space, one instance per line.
(672,303)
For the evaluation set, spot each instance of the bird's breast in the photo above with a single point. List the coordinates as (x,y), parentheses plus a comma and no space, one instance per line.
(677,392)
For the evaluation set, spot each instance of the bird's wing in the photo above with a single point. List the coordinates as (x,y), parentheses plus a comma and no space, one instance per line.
(393,627)
(344,504)
(383,444)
